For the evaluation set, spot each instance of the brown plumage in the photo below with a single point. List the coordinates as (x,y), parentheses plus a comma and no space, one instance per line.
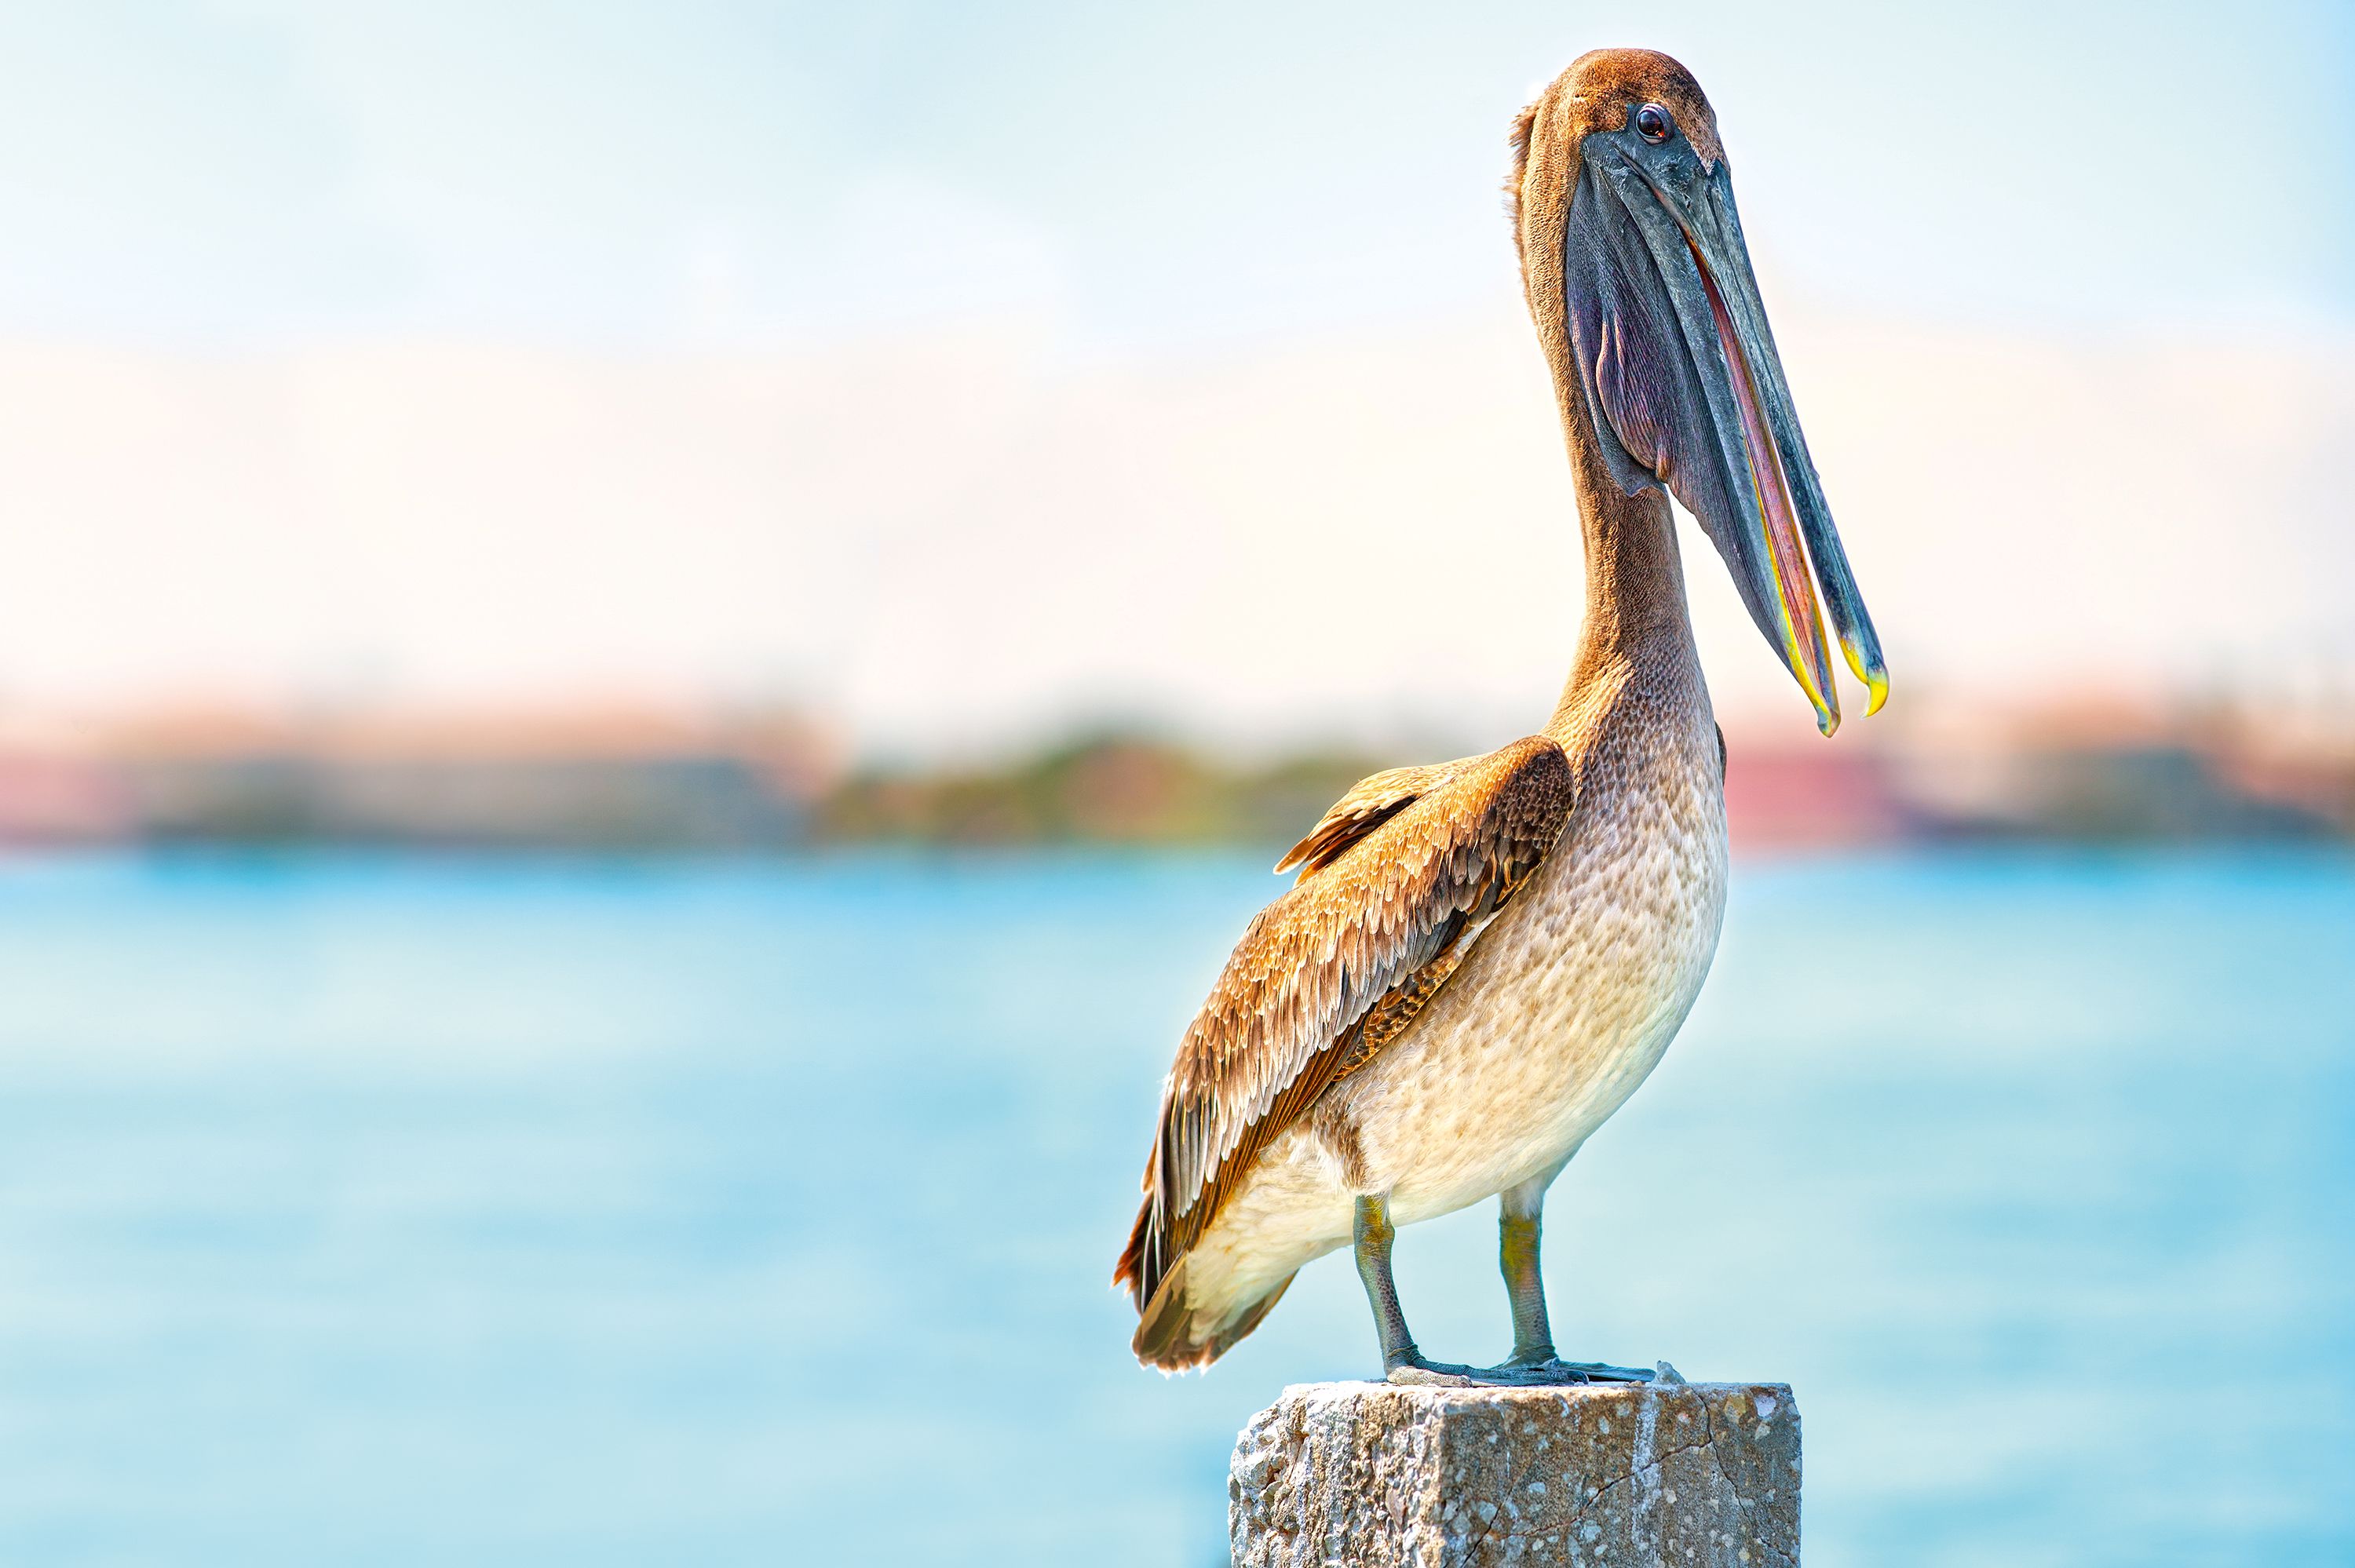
(1400,878)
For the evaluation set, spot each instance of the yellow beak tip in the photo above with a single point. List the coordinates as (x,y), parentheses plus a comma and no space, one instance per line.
(1878,683)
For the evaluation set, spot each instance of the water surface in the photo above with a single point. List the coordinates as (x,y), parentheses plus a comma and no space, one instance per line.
(481,1212)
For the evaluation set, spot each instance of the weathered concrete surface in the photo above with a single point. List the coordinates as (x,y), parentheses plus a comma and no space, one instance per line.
(1371,1475)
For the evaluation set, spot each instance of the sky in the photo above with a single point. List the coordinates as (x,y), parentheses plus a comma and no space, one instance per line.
(966,368)
(256,171)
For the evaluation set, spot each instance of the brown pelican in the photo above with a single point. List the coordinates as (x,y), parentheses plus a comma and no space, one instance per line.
(1482,958)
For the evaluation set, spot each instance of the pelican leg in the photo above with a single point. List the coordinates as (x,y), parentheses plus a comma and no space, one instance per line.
(1520,1217)
(1401,1362)
(1533,1360)
(1521,1222)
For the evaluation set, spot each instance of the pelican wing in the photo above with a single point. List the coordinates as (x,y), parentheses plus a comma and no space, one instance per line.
(1399,879)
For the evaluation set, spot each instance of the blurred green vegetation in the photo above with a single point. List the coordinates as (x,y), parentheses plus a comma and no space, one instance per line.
(1106,787)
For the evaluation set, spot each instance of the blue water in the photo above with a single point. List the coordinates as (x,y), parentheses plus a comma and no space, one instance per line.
(377,1212)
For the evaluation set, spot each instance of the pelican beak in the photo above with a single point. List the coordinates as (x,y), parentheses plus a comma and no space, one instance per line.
(1681,373)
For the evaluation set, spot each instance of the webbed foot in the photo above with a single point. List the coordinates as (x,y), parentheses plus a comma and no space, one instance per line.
(1421,1372)
(1521,1372)
(1554,1370)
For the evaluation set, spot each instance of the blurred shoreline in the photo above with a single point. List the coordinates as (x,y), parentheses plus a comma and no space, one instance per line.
(620,775)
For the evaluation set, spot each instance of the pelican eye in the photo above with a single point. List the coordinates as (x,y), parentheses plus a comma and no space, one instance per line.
(1653,123)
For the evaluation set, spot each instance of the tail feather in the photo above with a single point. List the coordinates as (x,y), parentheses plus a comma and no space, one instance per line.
(1176,1336)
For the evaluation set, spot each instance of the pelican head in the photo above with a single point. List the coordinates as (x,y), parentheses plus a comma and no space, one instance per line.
(1633,256)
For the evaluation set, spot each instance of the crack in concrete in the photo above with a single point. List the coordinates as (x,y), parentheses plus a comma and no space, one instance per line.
(1708,1437)
(1734,1488)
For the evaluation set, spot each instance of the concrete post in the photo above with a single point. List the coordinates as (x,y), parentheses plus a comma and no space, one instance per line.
(1376,1475)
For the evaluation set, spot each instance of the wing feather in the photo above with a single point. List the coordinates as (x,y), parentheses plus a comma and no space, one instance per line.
(1398,879)
(1371,803)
